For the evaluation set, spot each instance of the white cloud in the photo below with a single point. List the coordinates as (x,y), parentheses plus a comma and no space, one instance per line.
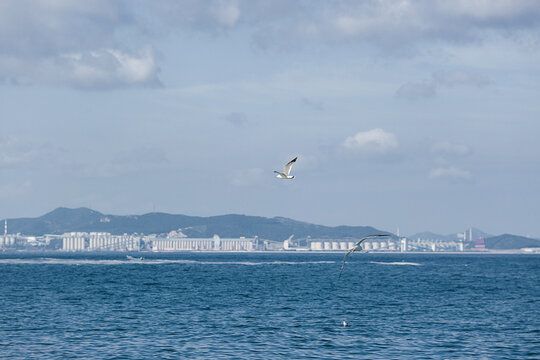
(73,43)
(100,69)
(372,141)
(450,173)
(41,39)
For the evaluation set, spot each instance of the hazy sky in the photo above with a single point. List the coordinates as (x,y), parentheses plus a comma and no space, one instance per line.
(418,114)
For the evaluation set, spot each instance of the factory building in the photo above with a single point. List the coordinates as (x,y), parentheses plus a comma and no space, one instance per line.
(342,245)
(204,244)
(99,241)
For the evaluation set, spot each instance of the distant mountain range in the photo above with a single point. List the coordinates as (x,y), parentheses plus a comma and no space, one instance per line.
(63,220)
(508,241)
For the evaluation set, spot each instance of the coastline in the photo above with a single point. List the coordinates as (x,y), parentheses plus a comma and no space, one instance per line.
(487,252)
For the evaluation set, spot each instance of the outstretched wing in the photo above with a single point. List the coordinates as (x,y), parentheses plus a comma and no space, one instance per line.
(288,167)
(345,259)
(369,237)
(356,248)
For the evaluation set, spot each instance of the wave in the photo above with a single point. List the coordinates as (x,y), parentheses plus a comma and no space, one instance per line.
(396,263)
(54,261)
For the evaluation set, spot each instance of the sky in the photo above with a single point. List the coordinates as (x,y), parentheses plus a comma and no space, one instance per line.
(422,115)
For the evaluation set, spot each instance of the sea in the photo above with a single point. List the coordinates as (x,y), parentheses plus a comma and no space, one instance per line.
(269,306)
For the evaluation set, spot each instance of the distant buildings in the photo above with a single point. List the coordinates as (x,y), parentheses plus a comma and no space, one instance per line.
(99,241)
(402,244)
(204,244)
(178,241)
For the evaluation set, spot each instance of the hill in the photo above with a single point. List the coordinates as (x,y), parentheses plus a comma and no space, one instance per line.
(508,241)
(63,220)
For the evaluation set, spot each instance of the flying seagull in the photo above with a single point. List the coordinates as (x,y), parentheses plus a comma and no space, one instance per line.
(356,247)
(286,170)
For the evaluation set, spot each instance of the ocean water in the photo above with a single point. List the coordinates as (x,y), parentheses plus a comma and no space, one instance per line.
(269,306)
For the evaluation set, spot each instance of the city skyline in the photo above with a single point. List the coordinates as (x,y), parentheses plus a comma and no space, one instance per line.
(426,111)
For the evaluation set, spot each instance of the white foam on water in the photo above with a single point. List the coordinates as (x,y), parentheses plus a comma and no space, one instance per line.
(54,261)
(395,263)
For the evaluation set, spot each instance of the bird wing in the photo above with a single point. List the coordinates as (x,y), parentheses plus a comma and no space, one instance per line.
(345,259)
(287,168)
(355,248)
(368,237)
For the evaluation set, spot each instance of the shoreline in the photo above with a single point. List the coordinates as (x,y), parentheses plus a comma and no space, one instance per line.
(487,252)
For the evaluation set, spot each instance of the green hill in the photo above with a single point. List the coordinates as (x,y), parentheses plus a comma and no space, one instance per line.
(63,220)
(508,241)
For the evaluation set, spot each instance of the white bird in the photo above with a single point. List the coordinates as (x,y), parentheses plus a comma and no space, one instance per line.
(286,170)
(356,247)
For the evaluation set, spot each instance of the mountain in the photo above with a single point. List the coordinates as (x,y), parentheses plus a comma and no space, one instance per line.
(63,220)
(508,241)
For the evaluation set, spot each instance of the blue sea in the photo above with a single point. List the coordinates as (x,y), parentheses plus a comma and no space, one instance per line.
(269,306)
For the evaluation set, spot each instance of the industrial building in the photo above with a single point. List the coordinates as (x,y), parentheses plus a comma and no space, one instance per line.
(204,244)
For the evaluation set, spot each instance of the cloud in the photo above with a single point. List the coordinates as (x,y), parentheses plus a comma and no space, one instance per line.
(447,148)
(375,141)
(452,173)
(100,69)
(100,44)
(440,79)
(73,43)
(401,26)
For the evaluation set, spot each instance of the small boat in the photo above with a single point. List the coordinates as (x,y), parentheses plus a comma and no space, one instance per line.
(131,258)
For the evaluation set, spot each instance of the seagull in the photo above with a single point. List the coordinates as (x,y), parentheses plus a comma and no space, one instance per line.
(286,170)
(357,247)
